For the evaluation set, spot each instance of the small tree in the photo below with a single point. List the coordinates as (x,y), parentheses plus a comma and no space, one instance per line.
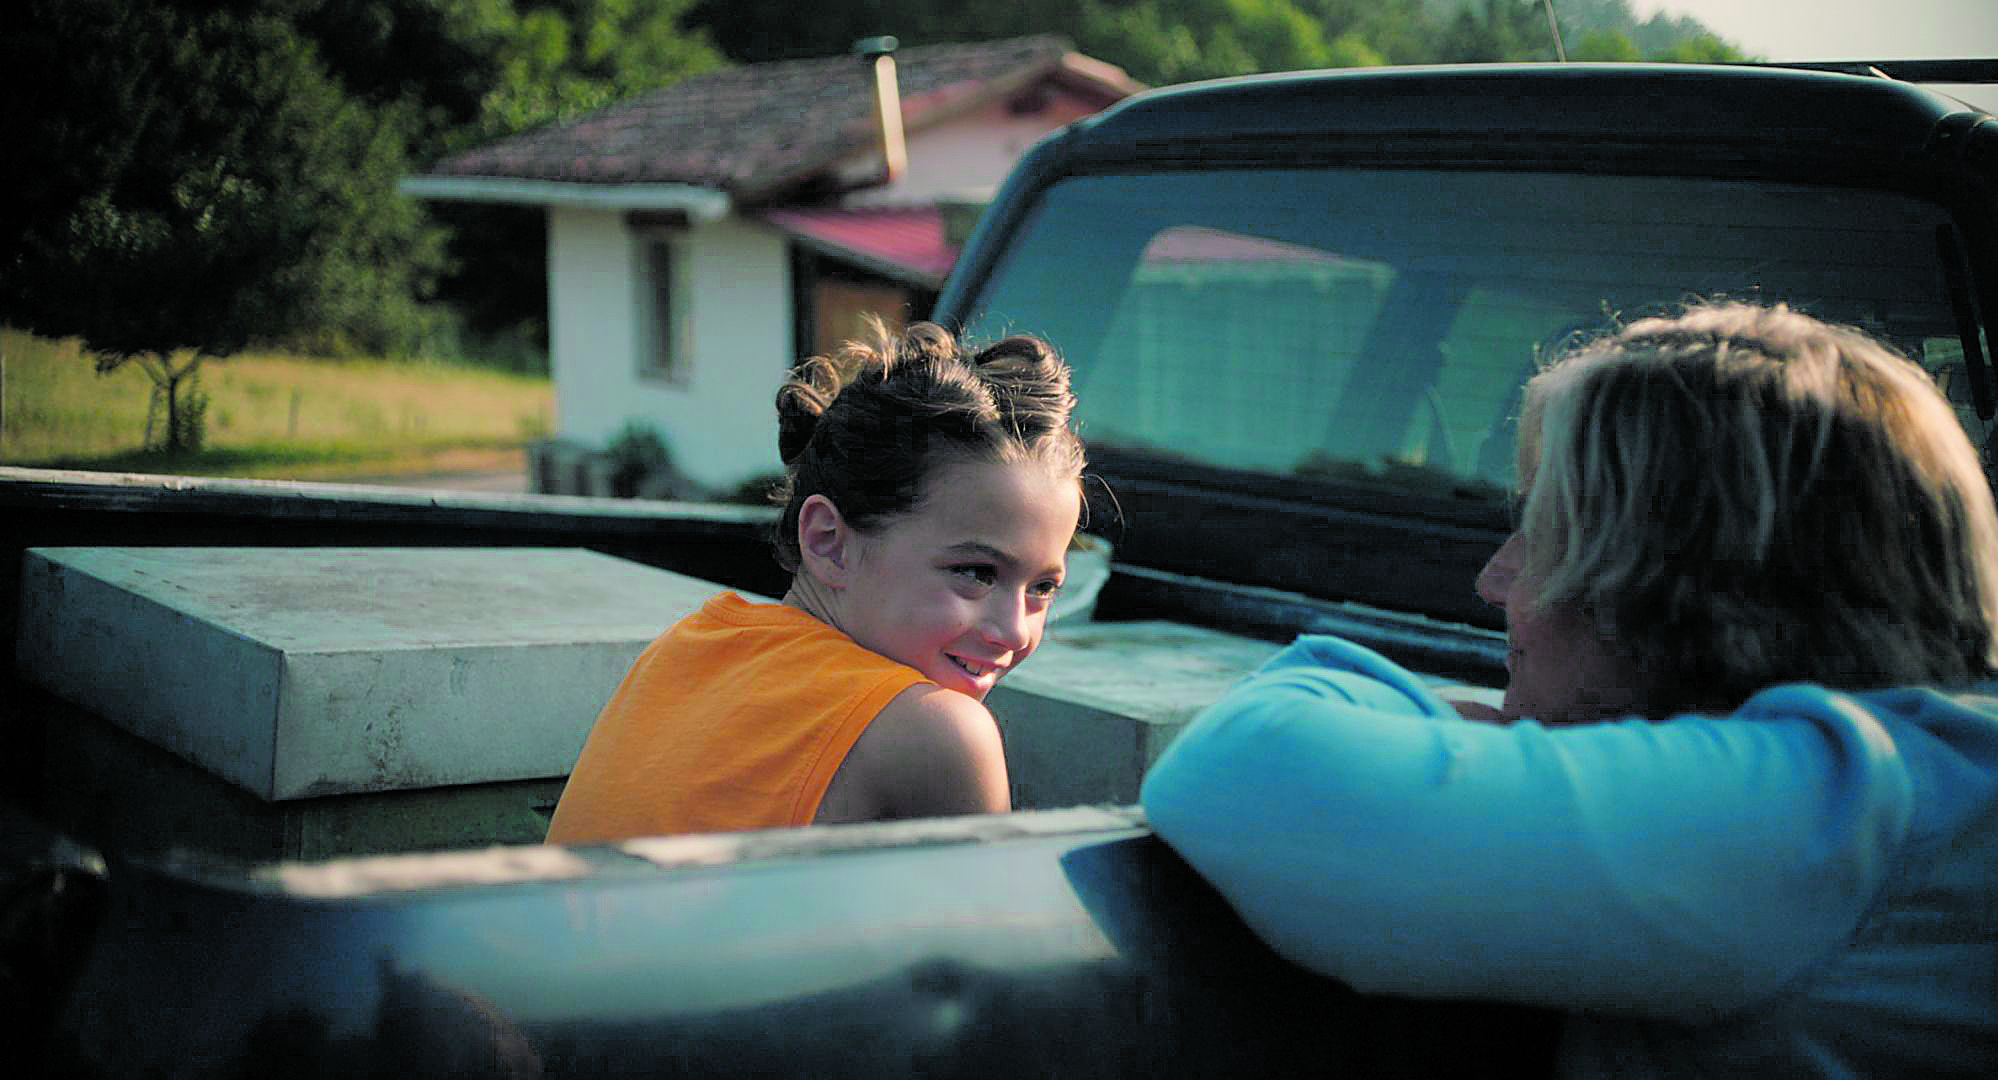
(195,181)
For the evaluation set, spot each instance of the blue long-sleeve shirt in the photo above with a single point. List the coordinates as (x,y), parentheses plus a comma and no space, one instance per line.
(1807,885)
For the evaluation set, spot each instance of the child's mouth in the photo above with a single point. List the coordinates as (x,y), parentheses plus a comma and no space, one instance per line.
(972,667)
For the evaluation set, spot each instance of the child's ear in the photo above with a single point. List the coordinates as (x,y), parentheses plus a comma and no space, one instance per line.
(824,541)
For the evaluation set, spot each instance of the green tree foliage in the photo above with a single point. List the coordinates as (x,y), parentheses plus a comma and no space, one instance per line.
(1603,45)
(1660,37)
(199,181)
(210,173)
(1703,49)
(489,68)
(470,71)
(473,70)
(1388,31)
(754,31)
(1168,41)
(1608,30)
(1488,30)
(466,72)
(1157,41)
(532,64)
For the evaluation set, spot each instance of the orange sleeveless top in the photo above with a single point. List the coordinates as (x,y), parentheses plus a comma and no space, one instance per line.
(736,718)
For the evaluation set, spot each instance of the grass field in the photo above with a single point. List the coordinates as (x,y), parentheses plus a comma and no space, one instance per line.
(267,416)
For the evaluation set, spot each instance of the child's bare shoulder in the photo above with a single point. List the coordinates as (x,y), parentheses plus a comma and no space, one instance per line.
(934,751)
(930,714)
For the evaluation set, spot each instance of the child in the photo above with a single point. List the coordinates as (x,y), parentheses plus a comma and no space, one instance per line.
(929,498)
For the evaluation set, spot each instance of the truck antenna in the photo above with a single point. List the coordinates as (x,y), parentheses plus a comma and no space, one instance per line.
(1554,29)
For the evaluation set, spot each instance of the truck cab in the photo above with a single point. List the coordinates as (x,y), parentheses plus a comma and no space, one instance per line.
(1300,308)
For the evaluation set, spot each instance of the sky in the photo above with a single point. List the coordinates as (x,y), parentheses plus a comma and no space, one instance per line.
(1845,29)
(1851,30)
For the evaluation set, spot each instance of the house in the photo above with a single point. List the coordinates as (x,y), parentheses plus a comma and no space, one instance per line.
(703,237)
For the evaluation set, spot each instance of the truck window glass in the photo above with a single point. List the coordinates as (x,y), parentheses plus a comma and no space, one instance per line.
(1260,321)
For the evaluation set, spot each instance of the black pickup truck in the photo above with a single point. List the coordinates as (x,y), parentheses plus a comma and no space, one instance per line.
(1299,309)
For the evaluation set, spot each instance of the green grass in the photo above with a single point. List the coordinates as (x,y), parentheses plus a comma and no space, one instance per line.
(268,416)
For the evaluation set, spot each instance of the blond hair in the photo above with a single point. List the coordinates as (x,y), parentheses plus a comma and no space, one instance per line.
(1743,495)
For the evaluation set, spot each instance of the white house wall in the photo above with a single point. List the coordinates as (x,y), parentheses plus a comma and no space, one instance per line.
(592,331)
(735,308)
(970,154)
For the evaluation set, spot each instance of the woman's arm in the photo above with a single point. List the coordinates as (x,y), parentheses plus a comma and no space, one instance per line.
(1680,870)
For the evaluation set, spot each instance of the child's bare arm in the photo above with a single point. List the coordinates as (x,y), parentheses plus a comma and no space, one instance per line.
(930,753)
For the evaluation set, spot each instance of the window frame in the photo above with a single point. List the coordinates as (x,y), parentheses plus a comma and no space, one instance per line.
(663,355)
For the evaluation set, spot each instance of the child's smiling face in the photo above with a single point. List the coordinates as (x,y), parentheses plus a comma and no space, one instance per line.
(959,587)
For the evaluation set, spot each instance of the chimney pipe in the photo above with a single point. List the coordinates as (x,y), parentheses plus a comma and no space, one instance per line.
(879,54)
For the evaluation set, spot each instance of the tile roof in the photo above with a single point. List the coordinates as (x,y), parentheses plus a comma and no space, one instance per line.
(905,243)
(750,130)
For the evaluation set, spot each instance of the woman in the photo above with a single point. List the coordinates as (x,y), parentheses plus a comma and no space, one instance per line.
(1741,810)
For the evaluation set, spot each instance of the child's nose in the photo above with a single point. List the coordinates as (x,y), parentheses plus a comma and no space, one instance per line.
(1495,580)
(1008,624)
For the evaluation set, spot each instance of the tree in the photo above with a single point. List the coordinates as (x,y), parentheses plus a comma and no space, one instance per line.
(1702,49)
(463,72)
(1483,31)
(1609,30)
(1604,45)
(1390,31)
(199,182)
(1168,41)
(210,173)
(1156,41)
(535,66)
(754,31)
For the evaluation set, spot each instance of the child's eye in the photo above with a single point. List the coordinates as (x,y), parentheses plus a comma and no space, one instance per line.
(1046,588)
(979,572)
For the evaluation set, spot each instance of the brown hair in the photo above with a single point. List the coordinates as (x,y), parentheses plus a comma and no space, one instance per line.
(1743,495)
(866,426)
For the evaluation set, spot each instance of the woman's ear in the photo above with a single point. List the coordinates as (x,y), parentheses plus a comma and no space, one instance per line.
(824,541)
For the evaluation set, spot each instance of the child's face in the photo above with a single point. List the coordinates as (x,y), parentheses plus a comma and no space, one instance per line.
(959,588)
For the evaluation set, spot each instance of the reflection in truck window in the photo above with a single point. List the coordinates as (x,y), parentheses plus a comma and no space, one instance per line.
(1229,346)
(1260,320)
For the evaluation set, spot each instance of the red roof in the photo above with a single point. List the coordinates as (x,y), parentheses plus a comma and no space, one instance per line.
(902,243)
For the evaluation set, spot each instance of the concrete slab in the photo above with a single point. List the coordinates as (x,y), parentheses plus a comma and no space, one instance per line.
(1098,702)
(117,792)
(297,672)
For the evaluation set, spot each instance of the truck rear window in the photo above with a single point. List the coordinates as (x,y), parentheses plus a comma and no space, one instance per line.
(1372,327)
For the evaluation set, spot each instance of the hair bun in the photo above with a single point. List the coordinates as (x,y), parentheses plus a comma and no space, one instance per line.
(801,401)
(1028,371)
(922,345)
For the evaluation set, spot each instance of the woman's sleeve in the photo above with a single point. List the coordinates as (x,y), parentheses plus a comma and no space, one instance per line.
(1679,870)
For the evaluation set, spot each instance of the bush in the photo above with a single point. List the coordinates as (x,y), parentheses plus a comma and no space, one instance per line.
(637,455)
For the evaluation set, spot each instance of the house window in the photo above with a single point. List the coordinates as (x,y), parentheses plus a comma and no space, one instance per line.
(662,337)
